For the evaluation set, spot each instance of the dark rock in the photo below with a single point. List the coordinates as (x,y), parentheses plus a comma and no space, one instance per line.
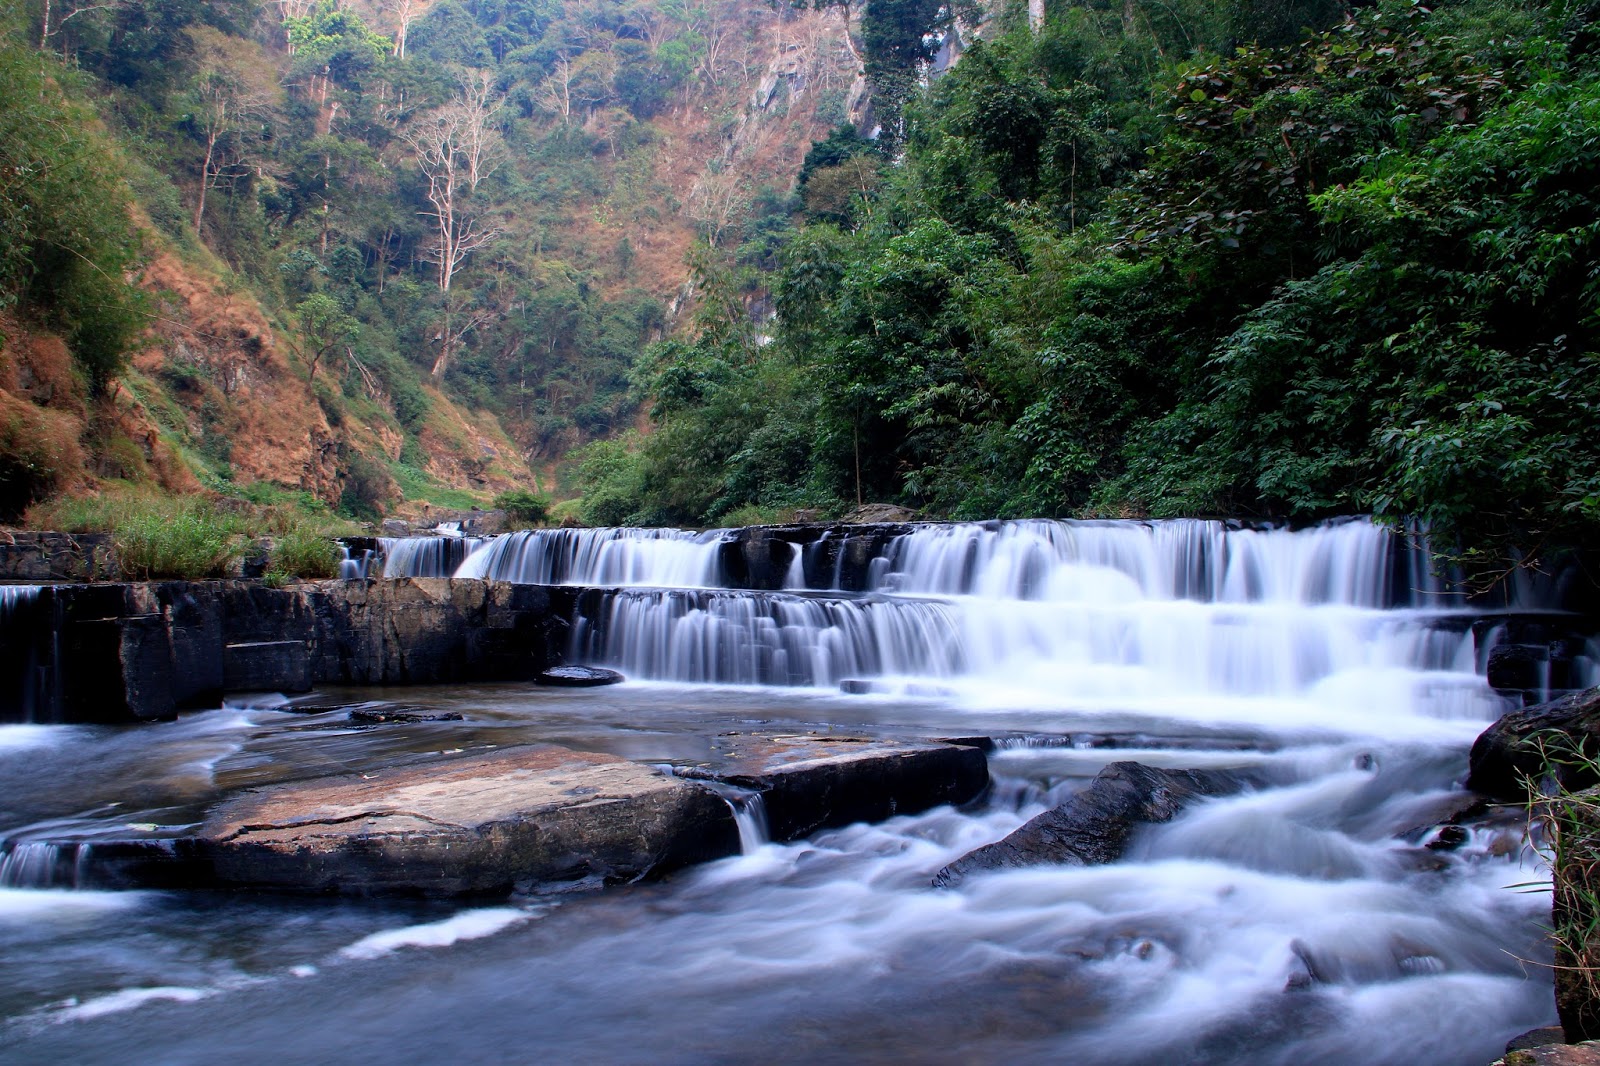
(462,825)
(1531,657)
(45,556)
(1095,825)
(579,676)
(1519,747)
(811,782)
(1517,666)
(194,622)
(391,715)
(266,666)
(106,653)
(118,670)
(1449,838)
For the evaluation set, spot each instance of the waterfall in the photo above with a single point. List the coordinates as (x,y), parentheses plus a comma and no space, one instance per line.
(20,627)
(663,558)
(438,556)
(27,864)
(760,638)
(1189,619)
(355,565)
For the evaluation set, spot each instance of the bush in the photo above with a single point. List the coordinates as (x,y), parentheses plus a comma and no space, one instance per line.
(187,538)
(524,508)
(302,552)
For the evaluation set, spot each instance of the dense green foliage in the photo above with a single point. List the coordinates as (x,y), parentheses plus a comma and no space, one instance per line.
(524,508)
(1354,274)
(66,241)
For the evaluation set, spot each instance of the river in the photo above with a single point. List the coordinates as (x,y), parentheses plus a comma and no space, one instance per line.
(1301,922)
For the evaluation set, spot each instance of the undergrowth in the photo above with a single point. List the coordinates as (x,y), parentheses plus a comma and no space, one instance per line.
(1569,820)
(197,537)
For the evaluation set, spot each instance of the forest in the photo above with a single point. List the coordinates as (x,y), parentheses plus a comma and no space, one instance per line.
(1283,262)
(1260,258)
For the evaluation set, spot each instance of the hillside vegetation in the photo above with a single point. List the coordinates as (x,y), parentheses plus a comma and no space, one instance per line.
(719,262)
(1178,260)
(358,254)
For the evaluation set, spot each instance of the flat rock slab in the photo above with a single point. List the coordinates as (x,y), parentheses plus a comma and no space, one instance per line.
(822,781)
(491,823)
(1095,825)
(467,825)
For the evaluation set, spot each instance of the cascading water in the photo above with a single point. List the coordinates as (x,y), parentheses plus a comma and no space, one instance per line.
(757,638)
(355,564)
(19,668)
(1311,918)
(663,558)
(1183,619)
(439,556)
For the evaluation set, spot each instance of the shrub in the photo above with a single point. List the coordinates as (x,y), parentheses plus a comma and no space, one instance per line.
(523,507)
(302,552)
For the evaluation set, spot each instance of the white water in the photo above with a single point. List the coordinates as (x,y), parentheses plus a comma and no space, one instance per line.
(1298,923)
(666,558)
(19,663)
(1183,619)
(437,556)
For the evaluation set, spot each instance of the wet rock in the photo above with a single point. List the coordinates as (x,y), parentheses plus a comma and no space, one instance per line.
(579,676)
(1585,1054)
(393,715)
(1517,748)
(129,675)
(461,825)
(812,782)
(1095,825)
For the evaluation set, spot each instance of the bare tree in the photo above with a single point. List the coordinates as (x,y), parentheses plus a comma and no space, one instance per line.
(289,10)
(405,13)
(554,94)
(719,201)
(49,29)
(457,146)
(232,92)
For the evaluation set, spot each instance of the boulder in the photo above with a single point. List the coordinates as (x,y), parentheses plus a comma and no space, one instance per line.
(578,676)
(1562,736)
(1095,825)
(475,824)
(810,782)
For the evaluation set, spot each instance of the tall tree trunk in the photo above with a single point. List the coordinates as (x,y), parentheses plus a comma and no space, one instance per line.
(205,180)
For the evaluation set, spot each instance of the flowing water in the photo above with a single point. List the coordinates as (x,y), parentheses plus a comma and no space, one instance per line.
(1305,921)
